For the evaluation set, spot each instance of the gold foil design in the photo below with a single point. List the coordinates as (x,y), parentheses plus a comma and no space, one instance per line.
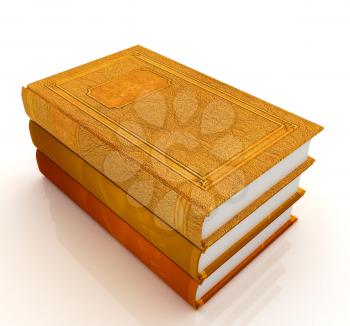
(119,92)
(185,105)
(219,116)
(178,151)
(124,171)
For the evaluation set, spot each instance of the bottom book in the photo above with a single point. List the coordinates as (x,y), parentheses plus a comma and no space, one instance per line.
(187,287)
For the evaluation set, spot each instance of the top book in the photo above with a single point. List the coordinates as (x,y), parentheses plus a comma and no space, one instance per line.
(181,143)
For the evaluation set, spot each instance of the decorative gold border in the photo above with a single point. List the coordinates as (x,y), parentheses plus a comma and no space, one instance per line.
(211,178)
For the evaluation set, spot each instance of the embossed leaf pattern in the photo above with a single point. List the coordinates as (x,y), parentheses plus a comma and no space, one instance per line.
(143,190)
(227,147)
(135,128)
(185,105)
(218,116)
(152,109)
(172,138)
(168,203)
(183,143)
(118,168)
(195,105)
(92,149)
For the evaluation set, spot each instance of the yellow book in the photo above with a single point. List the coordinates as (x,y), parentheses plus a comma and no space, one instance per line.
(199,264)
(187,287)
(191,150)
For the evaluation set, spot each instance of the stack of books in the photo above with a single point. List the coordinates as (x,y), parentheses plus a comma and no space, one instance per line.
(193,176)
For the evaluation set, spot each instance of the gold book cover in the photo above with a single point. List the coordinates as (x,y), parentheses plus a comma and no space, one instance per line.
(182,144)
(160,264)
(179,249)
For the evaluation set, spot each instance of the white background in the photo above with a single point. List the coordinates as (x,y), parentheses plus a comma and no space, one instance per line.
(59,268)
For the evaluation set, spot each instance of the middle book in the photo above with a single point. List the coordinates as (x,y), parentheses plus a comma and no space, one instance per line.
(254,210)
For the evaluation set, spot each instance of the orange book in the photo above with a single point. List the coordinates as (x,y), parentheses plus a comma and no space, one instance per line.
(158,262)
(183,145)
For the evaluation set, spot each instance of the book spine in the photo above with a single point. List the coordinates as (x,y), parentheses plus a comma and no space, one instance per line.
(167,240)
(153,258)
(75,131)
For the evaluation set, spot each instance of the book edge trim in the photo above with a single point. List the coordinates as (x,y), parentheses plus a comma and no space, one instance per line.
(252,233)
(245,263)
(238,218)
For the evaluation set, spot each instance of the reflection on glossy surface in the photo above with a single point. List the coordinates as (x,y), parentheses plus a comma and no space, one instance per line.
(129,281)
(60,268)
(48,280)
